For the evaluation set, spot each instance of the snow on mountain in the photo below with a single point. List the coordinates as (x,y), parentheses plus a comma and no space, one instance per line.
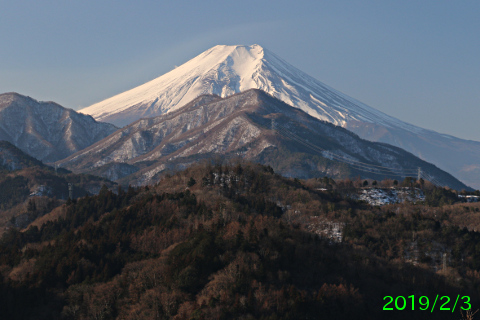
(240,126)
(46,130)
(225,70)
(383,196)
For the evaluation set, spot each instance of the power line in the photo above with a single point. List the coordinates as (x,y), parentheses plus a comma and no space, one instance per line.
(349,160)
(357,164)
(362,166)
(338,157)
(431,179)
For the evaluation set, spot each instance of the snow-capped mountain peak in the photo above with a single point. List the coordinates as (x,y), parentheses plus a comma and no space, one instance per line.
(224,70)
(221,70)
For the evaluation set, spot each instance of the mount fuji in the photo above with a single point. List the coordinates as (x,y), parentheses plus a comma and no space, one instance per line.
(225,70)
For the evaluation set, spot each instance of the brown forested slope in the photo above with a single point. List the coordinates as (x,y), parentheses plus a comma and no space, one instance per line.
(229,242)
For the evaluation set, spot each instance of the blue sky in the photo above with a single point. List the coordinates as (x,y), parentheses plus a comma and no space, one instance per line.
(418,61)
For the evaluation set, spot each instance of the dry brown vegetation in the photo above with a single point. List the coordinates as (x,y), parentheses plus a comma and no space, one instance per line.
(232,241)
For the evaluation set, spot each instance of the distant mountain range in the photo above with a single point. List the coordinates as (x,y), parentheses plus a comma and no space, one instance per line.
(250,125)
(46,130)
(225,70)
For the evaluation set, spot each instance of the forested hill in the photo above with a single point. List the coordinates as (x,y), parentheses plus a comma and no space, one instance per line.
(29,188)
(235,242)
(12,158)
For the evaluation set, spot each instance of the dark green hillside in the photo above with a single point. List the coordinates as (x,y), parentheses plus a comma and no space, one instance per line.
(233,242)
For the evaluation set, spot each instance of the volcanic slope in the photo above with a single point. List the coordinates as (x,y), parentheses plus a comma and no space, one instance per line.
(224,70)
(46,130)
(250,125)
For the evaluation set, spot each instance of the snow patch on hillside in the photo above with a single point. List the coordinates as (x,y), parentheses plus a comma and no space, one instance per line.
(383,196)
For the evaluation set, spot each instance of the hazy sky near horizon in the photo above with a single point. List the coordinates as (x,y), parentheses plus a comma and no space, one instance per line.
(418,61)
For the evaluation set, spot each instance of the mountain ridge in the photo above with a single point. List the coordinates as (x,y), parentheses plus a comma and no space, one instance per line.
(46,130)
(241,125)
(224,70)
(12,158)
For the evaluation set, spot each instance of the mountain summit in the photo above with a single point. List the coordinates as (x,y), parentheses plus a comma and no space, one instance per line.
(46,130)
(225,70)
